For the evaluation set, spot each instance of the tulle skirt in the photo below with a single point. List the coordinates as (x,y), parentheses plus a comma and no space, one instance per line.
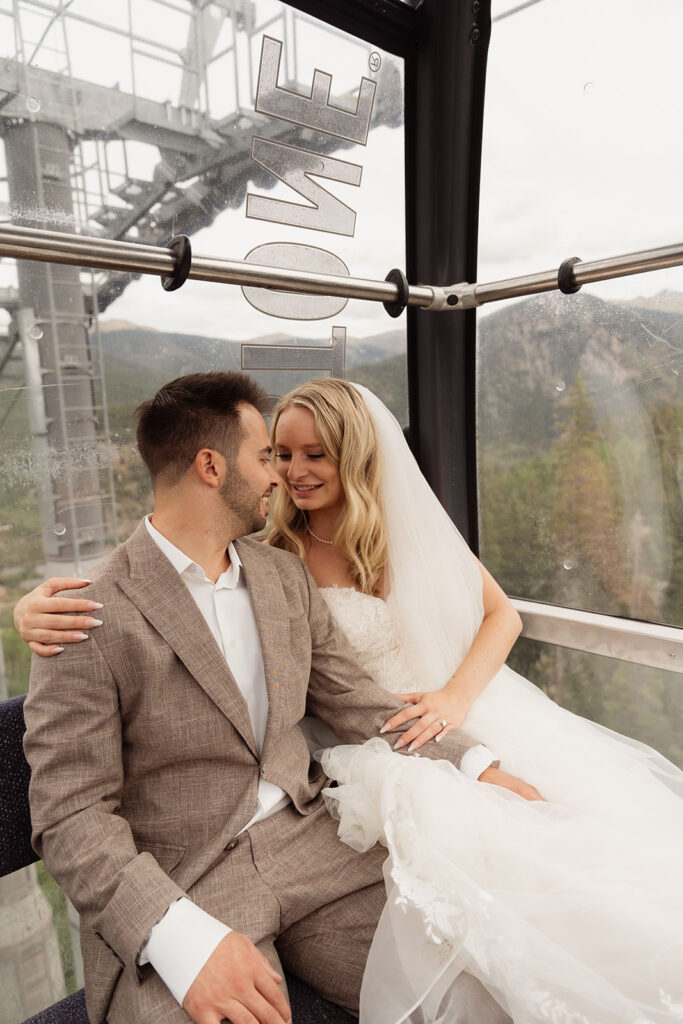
(569,911)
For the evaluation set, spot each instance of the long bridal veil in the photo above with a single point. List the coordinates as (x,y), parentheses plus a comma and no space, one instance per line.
(567,911)
(434,580)
(436,599)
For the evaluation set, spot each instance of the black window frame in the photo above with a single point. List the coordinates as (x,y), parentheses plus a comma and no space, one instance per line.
(444,44)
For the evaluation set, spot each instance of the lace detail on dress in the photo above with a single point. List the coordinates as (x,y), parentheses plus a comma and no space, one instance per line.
(511,892)
(568,911)
(369,626)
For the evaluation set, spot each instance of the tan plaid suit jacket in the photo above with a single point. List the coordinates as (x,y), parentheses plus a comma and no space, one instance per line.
(144,764)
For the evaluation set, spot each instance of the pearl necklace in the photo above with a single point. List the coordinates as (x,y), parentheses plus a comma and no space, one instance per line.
(316,537)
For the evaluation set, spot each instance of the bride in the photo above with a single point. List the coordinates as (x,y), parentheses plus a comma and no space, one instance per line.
(568,910)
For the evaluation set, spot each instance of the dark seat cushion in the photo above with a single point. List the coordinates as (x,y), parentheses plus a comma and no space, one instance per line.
(310,1008)
(67,1011)
(307,1008)
(15,834)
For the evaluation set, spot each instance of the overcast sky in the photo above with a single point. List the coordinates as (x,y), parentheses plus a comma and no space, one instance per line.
(582,156)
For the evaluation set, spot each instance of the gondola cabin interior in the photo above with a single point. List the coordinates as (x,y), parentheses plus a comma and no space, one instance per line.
(473,205)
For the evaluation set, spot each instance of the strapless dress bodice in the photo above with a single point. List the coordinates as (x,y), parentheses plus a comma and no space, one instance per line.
(370,628)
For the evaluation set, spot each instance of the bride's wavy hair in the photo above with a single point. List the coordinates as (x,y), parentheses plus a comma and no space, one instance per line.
(347,435)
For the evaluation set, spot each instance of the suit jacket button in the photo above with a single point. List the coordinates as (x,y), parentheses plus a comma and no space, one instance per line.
(232,844)
(263,769)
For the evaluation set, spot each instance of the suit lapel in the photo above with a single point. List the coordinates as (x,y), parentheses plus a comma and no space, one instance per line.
(272,621)
(158,591)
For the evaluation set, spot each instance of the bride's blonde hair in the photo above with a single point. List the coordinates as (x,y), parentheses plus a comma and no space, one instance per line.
(347,435)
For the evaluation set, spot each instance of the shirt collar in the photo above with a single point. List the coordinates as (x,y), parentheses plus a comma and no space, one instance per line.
(182,563)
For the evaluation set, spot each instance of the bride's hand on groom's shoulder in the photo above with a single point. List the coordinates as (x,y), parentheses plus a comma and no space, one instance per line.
(46,622)
(436,713)
(495,777)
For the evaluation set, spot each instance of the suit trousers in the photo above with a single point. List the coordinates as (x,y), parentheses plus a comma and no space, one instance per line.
(306,900)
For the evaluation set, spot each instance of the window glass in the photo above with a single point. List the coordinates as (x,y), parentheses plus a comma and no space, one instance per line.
(644,703)
(580,398)
(41,959)
(139,121)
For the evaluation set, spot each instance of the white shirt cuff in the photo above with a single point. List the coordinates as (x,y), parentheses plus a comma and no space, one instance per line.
(180,944)
(476,760)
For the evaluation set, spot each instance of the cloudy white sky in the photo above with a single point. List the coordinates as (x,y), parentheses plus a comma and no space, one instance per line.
(582,156)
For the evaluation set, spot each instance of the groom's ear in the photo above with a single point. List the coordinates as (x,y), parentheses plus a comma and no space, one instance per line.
(209,467)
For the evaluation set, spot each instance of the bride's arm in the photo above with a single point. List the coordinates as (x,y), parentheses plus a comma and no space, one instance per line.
(500,628)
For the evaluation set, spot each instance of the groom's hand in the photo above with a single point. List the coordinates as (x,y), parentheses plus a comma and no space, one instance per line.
(237,982)
(496,777)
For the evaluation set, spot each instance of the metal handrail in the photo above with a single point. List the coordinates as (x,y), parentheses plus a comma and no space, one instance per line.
(106,254)
(641,643)
(584,272)
(110,254)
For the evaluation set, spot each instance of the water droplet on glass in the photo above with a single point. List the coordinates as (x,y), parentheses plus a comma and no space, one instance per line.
(588,88)
(33,104)
(60,529)
(560,385)
(36,333)
(569,563)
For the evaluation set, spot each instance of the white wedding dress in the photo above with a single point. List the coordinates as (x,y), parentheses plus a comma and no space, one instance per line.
(569,911)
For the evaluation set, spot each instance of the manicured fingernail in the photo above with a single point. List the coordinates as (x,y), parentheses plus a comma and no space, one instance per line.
(399,743)
(385,728)
(84,579)
(92,622)
(412,746)
(57,650)
(438,738)
(81,636)
(92,605)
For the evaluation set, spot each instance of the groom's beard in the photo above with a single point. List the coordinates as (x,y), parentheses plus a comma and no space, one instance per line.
(243,504)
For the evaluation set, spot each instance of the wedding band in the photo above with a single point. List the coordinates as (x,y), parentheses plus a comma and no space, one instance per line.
(444,723)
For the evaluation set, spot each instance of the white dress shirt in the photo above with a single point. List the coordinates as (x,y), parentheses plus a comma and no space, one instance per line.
(227,610)
(181,942)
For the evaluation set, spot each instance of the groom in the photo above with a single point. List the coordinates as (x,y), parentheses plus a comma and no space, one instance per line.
(172,794)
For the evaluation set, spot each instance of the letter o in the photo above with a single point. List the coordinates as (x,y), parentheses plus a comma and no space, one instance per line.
(295,305)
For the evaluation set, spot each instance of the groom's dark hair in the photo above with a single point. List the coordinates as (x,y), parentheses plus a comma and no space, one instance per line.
(200,410)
